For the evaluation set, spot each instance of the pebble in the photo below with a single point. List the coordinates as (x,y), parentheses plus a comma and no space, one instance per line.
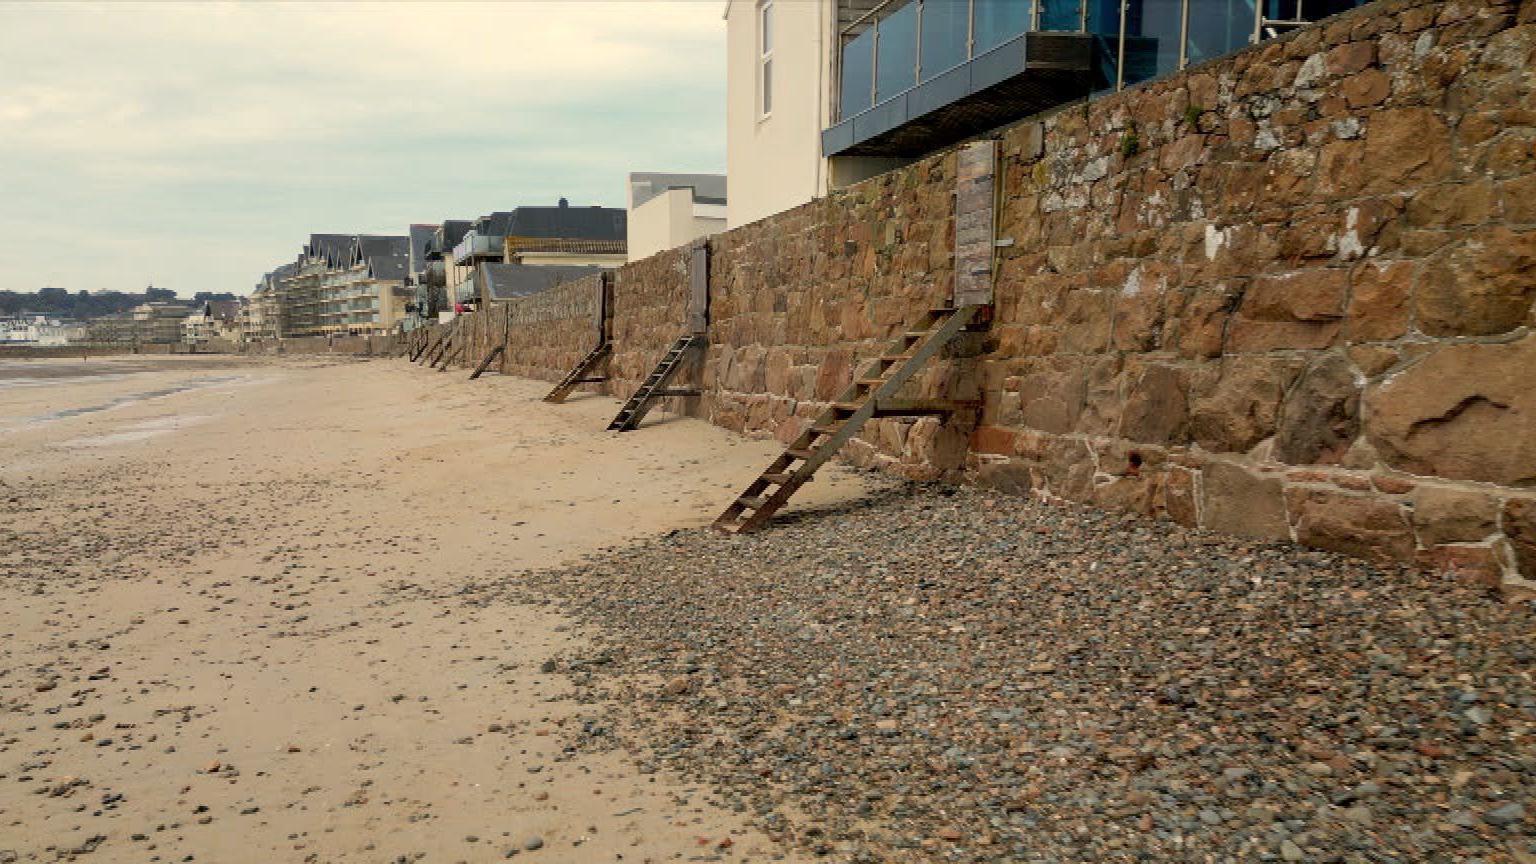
(1048,683)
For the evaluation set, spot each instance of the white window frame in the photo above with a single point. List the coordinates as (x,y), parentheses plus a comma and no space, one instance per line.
(764,12)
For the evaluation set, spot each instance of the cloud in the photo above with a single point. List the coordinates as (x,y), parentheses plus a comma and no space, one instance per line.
(208,140)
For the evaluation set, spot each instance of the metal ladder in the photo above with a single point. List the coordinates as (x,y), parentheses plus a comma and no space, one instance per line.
(872,394)
(581,374)
(655,387)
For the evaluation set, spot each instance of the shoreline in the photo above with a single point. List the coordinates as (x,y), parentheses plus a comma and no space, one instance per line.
(231,591)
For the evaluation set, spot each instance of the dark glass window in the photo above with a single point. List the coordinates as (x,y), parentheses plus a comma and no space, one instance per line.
(1218,27)
(945,27)
(896,59)
(1151,38)
(1104,24)
(858,73)
(997,21)
(1061,15)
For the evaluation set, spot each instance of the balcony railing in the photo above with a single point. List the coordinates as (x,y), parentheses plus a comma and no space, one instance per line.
(902,44)
(474,247)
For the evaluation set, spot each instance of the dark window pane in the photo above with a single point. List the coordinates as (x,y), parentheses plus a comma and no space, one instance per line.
(858,73)
(1061,15)
(768,85)
(896,59)
(1104,24)
(1218,27)
(997,21)
(1151,38)
(944,32)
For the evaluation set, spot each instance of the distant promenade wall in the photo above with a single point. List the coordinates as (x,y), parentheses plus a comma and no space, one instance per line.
(1289,294)
(19,352)
(361,346)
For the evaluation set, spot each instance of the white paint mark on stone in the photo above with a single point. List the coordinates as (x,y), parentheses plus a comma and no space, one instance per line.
(1215,238)
(1350,246)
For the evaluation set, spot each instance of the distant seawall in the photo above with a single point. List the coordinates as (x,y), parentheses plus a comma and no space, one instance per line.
(32,352)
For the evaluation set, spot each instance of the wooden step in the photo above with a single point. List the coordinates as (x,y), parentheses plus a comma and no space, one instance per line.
(923,407)
(655,385)
(855,407)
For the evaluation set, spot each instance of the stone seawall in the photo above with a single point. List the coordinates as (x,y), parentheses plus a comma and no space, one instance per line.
(1287,294)
(38,352)
(359,346)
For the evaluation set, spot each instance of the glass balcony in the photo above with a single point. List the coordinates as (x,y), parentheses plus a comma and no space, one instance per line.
(905,61)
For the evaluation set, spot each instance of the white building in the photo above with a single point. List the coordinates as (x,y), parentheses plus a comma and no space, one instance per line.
(777,58)
(671,210)
(39,330)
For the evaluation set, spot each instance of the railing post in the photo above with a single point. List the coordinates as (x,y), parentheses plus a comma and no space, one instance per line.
(874,64)
(917,46)
(970,32)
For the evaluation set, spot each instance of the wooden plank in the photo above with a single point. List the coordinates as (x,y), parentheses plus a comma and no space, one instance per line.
(698,287)
(813,459)
(975,223)
(484,364)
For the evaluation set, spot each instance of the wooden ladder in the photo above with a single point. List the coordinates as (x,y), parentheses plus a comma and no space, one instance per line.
(429,356)
(872,394)
(450,356)
(421,349)
(582,374)
(485,364)
(655,387)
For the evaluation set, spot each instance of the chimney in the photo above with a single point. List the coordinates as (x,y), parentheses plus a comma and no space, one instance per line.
(564,203)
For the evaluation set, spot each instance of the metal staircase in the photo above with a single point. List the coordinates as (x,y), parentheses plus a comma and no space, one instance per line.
(582,374)
(872,394)
(655,387)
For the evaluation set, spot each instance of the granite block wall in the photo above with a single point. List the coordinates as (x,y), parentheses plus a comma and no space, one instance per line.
(1288,294)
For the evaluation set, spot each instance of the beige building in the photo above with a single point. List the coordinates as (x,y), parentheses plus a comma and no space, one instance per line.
(777,59)
(671,210)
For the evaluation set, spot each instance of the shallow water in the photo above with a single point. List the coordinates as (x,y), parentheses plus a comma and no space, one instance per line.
(120,401)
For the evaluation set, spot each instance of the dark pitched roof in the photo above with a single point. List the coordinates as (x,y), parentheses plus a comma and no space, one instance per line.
(225,310)
(568,223)
(447,236)
(373,245)
(388,267)
(331,248)
(504,282)
(420,235)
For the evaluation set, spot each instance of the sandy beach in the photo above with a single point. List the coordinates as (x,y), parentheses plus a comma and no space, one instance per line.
(229,629)
(336,610)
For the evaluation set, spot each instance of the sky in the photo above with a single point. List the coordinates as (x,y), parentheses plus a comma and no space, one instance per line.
(197,145)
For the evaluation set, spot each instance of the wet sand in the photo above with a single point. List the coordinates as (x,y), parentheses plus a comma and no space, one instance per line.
(231,629)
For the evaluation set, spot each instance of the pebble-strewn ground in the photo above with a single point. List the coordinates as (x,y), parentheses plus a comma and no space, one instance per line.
(950,675)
